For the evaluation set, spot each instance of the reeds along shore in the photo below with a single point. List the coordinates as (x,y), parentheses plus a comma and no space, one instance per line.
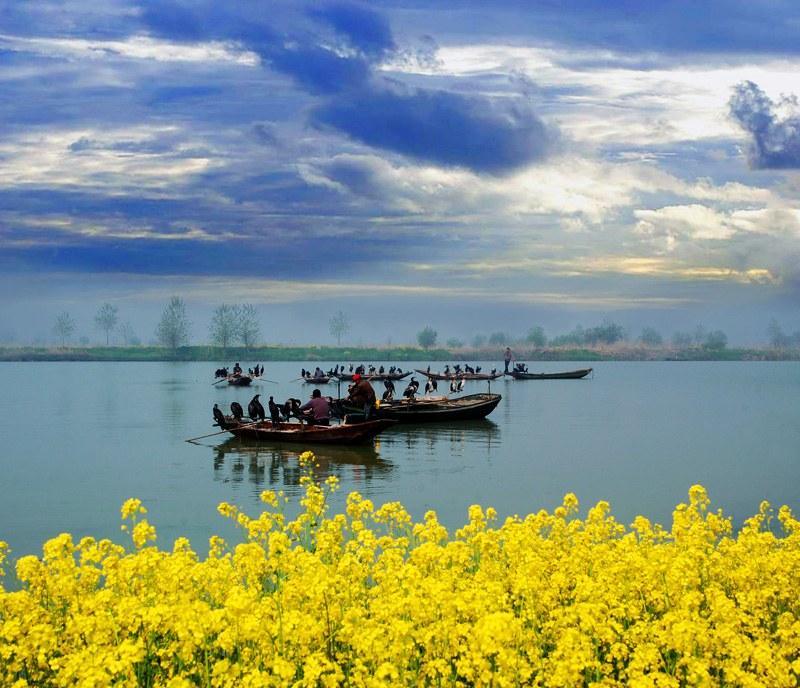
(370,598)
(275,353)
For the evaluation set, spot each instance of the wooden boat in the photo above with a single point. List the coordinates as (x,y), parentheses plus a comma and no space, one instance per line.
(309,434)
(570,375)
(429,409)
(380,377)
(240,380)
(459,376)
(324,380)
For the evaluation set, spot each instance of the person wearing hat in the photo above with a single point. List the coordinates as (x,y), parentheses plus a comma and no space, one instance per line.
(362,394)
(316,411)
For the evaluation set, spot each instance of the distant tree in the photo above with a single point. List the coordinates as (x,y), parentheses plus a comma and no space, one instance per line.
(607,333)
(106,319)
(682,340)
(699,335)
(454,343)
(174,329)
(125,331)
(651,337)
(478,341)
(63,328)
(775,335)
(577,337)
(536,337)
(427,338)
(499,339)
(224,326)
(339,326)
(249,326)
(716,340)
(84,341)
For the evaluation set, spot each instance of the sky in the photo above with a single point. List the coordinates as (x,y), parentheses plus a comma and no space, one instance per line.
(468,166)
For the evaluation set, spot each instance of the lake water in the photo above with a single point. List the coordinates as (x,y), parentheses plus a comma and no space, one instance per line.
(82,438)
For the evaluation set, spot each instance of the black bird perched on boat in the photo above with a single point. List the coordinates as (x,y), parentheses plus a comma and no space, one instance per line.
(255,410)
(219,416)
(460,387)
(388,395)
(237,411)
(412,388)
(453,385)
(430,386)
(274,411)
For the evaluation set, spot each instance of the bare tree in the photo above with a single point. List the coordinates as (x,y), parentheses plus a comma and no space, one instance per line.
(339,326)
(174,328)
(224,327)
(63,328)
(106,319)
(126,332)
(249,326)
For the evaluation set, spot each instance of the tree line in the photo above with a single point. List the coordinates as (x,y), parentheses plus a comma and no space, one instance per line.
(233,324)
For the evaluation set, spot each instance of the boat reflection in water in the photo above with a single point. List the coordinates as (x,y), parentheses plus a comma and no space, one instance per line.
(454,438)
(273,466)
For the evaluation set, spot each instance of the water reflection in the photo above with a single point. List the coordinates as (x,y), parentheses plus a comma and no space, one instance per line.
(456,437)
(272,466)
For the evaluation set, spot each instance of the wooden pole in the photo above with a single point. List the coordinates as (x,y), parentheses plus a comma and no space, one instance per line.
(246,425)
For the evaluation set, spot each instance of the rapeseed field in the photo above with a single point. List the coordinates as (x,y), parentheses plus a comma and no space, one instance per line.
(369,598)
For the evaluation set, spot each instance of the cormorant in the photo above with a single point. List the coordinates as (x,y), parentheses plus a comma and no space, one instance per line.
(219,416)
(460,385)
(255,410)
(388,395)
(274,411)
(237,411)
(453,385)
(412,388)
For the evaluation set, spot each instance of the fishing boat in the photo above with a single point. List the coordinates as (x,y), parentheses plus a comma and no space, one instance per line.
(459,376)
(239,380)
(570,375)
(380,377)
(303,433)
(428,409)
(322,380)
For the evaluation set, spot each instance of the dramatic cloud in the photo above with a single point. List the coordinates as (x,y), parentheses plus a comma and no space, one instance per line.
(775,139)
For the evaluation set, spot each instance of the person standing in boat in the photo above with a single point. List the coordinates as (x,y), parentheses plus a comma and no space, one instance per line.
(237,369)
(361,393)
(508,357)
(316,411)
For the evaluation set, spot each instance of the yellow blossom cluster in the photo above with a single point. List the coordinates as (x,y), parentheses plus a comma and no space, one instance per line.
(369,598)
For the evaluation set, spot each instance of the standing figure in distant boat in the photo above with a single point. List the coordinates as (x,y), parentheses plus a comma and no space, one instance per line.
(508,357)
(237,369)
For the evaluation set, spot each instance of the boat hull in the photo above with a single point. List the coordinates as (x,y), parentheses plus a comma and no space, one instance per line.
(379,377)
(570,375)
(312,434)
(470,407)
(240,380)
(460,376)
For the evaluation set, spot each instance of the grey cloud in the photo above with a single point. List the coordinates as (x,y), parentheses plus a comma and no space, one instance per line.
(775,142)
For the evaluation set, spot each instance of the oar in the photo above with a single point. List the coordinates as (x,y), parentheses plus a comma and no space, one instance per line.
(246,425)
(218,381)
(263,379)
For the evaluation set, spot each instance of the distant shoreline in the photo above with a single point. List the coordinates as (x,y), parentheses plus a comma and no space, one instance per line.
(353,354)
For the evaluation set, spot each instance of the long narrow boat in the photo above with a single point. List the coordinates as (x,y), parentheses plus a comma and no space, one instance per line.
(429,409)
(309,434)
(570,375)
(380,377)
(459,376)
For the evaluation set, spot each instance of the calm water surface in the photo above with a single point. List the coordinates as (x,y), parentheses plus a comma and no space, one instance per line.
(81,438)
